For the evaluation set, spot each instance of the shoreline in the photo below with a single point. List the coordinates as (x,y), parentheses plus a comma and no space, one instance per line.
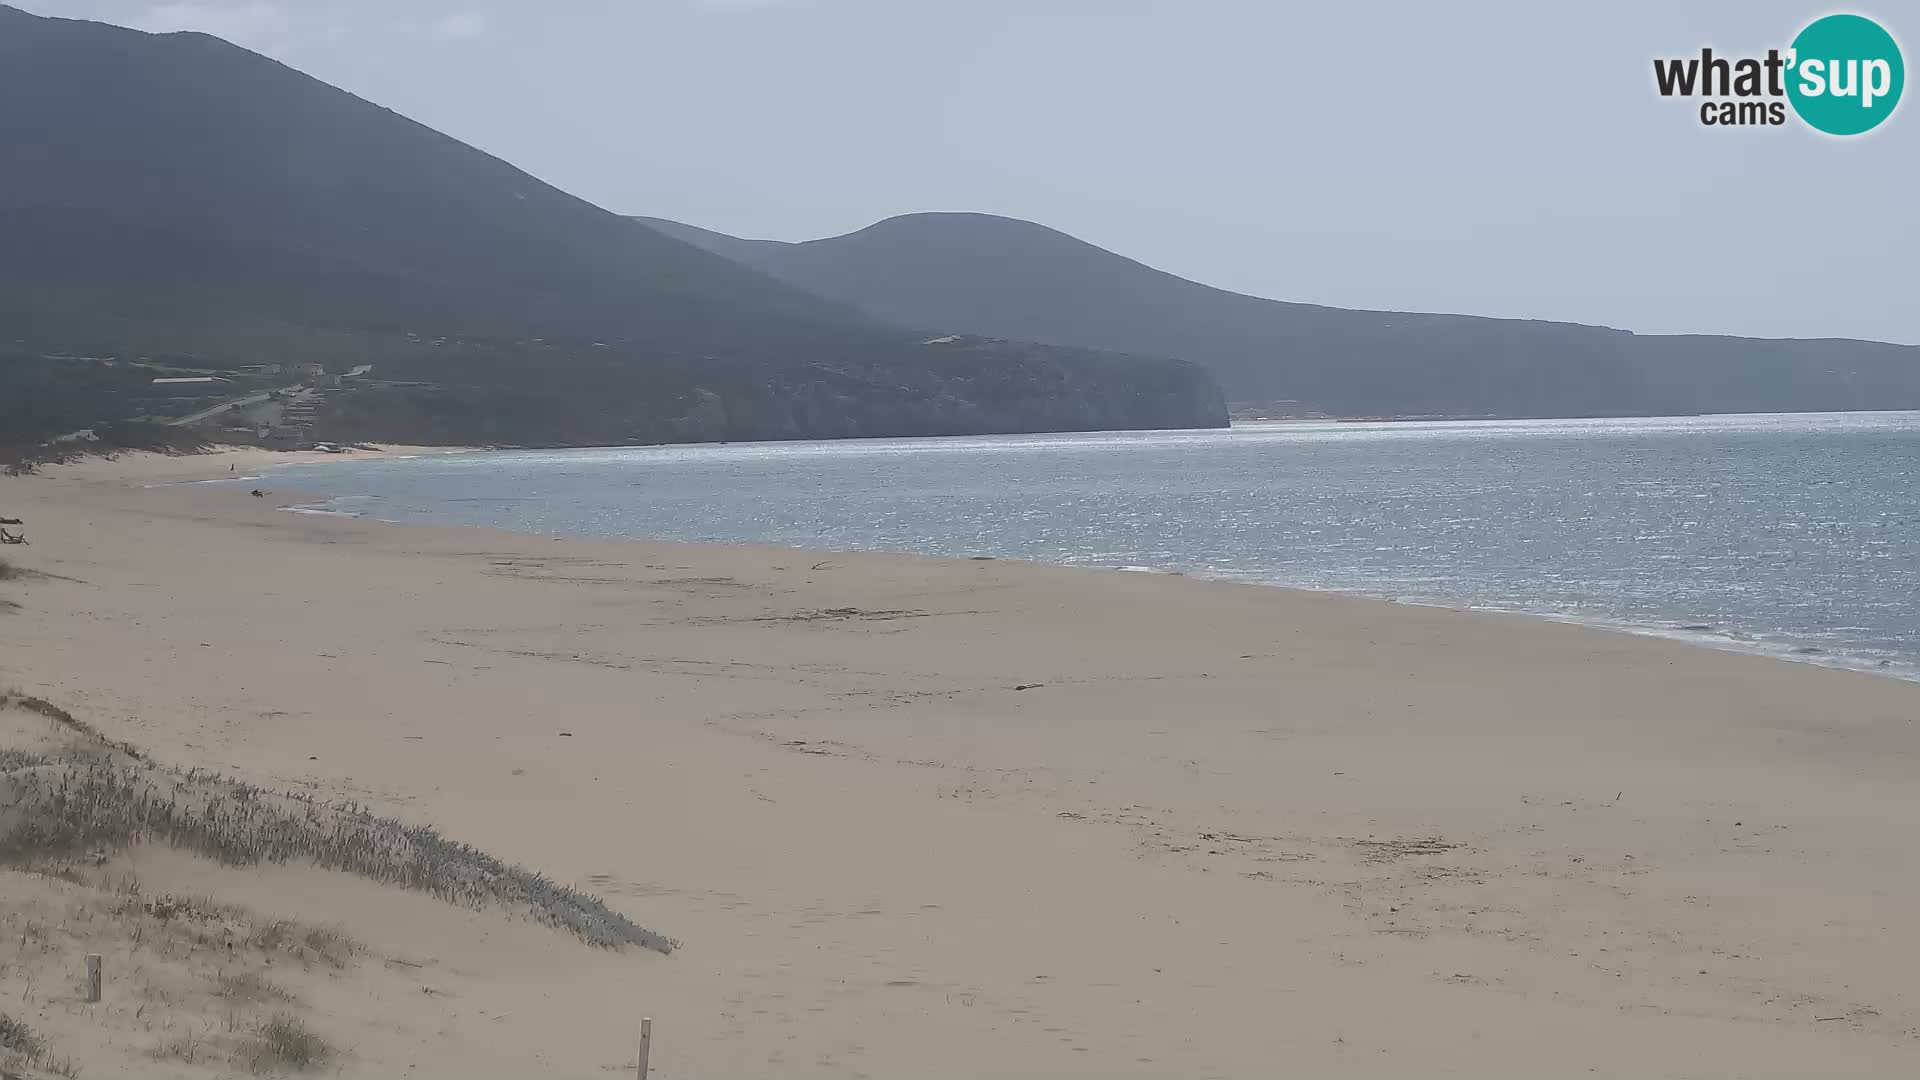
(922,817)
(1736,640)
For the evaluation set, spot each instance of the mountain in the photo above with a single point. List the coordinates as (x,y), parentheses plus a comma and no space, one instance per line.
(995,275)
(177,194)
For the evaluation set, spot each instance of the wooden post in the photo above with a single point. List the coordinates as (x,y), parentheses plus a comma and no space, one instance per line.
(646,1043)
(93,977)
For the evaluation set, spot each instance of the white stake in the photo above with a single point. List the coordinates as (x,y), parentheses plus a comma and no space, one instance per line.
(646,1043)
(93,977)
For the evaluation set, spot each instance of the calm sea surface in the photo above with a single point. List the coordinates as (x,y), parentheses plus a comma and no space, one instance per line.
(1797,535)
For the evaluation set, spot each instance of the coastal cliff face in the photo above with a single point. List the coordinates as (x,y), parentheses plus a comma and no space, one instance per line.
(959,387)
(978,387)
(185,199)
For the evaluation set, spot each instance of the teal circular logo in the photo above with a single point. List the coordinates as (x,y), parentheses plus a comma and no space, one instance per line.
(1846,74)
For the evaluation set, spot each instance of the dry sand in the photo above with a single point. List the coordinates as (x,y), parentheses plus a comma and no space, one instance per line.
(921,818)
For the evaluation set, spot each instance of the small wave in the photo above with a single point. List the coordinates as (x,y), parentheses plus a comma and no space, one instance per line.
(1798,650)
(191,483)
(1737,641)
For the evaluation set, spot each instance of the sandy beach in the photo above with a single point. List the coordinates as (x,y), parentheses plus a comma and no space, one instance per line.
(910,817)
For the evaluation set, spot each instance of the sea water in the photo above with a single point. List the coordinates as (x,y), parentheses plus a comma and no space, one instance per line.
(1796,535)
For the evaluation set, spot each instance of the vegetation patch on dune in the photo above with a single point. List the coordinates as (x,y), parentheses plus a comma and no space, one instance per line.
(16,1037)
(89,735)
(189,979)
(250,987)
(22,1051)
(286,1044)
(98,796)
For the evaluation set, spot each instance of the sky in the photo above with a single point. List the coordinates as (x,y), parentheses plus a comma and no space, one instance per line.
(1507,158)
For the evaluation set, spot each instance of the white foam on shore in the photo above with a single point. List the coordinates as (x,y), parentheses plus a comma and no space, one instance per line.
(1736,641)
(1720,639)
(189,483)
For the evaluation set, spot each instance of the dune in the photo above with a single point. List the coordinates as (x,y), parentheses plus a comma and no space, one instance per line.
(927,818)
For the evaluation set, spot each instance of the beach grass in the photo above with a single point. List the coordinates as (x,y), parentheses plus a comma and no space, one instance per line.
(285,1044)
(23,1052)
(16,1037)
(100,795)
(209,983)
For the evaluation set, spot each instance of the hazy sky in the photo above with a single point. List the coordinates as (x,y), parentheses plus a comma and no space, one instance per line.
(1492,158)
